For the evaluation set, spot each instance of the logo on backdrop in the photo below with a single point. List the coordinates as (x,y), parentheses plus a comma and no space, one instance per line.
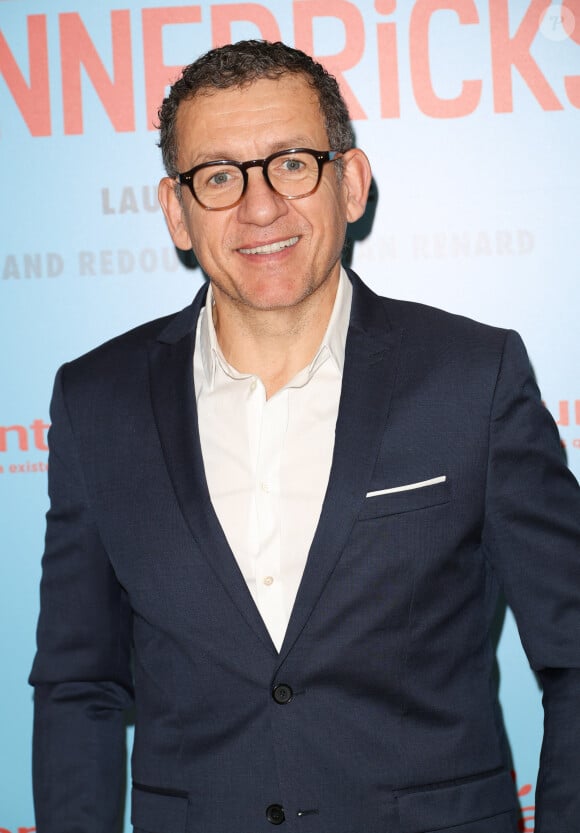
(23,446)
(558,22)
(509,39)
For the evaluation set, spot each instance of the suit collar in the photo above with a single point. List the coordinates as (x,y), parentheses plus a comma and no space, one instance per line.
(184,323)
(368,313)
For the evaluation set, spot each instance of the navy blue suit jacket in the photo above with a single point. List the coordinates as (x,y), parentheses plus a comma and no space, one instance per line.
(389,722)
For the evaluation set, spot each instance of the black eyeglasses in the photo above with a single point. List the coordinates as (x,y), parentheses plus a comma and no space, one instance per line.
(293,174)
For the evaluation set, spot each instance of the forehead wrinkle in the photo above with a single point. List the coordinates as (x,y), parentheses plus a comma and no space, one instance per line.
(283,144)
(218,120)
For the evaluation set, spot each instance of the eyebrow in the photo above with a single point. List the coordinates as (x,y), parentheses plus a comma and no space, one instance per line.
(286,144)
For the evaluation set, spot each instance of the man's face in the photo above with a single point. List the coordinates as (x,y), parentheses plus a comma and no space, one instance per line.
(266,252)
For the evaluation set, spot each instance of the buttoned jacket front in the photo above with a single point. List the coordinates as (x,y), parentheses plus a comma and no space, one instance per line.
(379,714)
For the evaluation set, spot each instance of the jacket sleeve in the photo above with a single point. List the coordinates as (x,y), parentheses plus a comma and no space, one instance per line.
(532,538)
(81,671)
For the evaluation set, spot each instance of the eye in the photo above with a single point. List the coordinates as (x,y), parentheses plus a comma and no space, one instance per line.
(292,164)
(213,178)
(221,178)
(292,167)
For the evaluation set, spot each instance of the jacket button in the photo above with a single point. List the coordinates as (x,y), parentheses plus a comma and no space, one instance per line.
(282,694)
(275,814)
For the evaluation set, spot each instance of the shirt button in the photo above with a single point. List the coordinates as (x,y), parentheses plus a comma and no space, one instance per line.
(275,814)
(253,385)
(268,581)
(282,694)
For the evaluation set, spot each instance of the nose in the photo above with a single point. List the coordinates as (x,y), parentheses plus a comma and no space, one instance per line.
(261,205)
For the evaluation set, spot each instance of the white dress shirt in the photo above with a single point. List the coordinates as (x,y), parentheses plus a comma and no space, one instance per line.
(267,461)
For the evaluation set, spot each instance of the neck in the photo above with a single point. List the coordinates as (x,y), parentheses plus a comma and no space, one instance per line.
(273,344)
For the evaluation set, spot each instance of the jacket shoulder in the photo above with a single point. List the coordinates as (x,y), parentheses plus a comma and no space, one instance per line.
(168,328)
(122,361)
(432,322)
(421,324)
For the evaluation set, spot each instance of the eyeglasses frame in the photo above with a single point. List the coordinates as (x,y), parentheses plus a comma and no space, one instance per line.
(321,156)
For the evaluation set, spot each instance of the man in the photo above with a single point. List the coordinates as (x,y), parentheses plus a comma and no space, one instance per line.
(293,502)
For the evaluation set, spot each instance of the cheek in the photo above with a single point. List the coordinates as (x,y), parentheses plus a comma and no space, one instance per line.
(330,228)
(212,250)
(330,217)
(205,237)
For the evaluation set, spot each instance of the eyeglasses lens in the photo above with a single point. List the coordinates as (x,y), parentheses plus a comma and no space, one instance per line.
(292,175)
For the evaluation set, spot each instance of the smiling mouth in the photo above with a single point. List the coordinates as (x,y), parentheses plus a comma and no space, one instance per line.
(270,248)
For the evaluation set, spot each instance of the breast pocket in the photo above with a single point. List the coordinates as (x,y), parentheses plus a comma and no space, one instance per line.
(407,497)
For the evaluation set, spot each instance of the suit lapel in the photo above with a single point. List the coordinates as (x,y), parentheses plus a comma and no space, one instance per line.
(175,410)
(368,378)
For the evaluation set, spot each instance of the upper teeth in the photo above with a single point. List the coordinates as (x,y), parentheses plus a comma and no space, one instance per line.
(270,248)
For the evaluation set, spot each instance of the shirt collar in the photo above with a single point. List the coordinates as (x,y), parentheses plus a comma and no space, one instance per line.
(333,343)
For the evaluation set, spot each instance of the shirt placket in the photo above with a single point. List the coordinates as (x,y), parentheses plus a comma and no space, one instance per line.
(269,585)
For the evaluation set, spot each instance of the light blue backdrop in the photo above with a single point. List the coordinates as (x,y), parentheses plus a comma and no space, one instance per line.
(468,111)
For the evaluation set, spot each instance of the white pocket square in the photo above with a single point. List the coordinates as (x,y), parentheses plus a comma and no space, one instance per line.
(408,486)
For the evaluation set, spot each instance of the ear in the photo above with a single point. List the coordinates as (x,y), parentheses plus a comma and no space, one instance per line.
(174,213)
(356,181)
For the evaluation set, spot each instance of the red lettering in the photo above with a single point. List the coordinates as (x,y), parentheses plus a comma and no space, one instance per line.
(33,100)
(20,830)
(572,87)
(571,21)
(157,74)
(78,49)
(388,62)
(38,428)
(508,52)
(427,99)
(304,13)
(22,438)
(563,417)
(563,413)
(222,18)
